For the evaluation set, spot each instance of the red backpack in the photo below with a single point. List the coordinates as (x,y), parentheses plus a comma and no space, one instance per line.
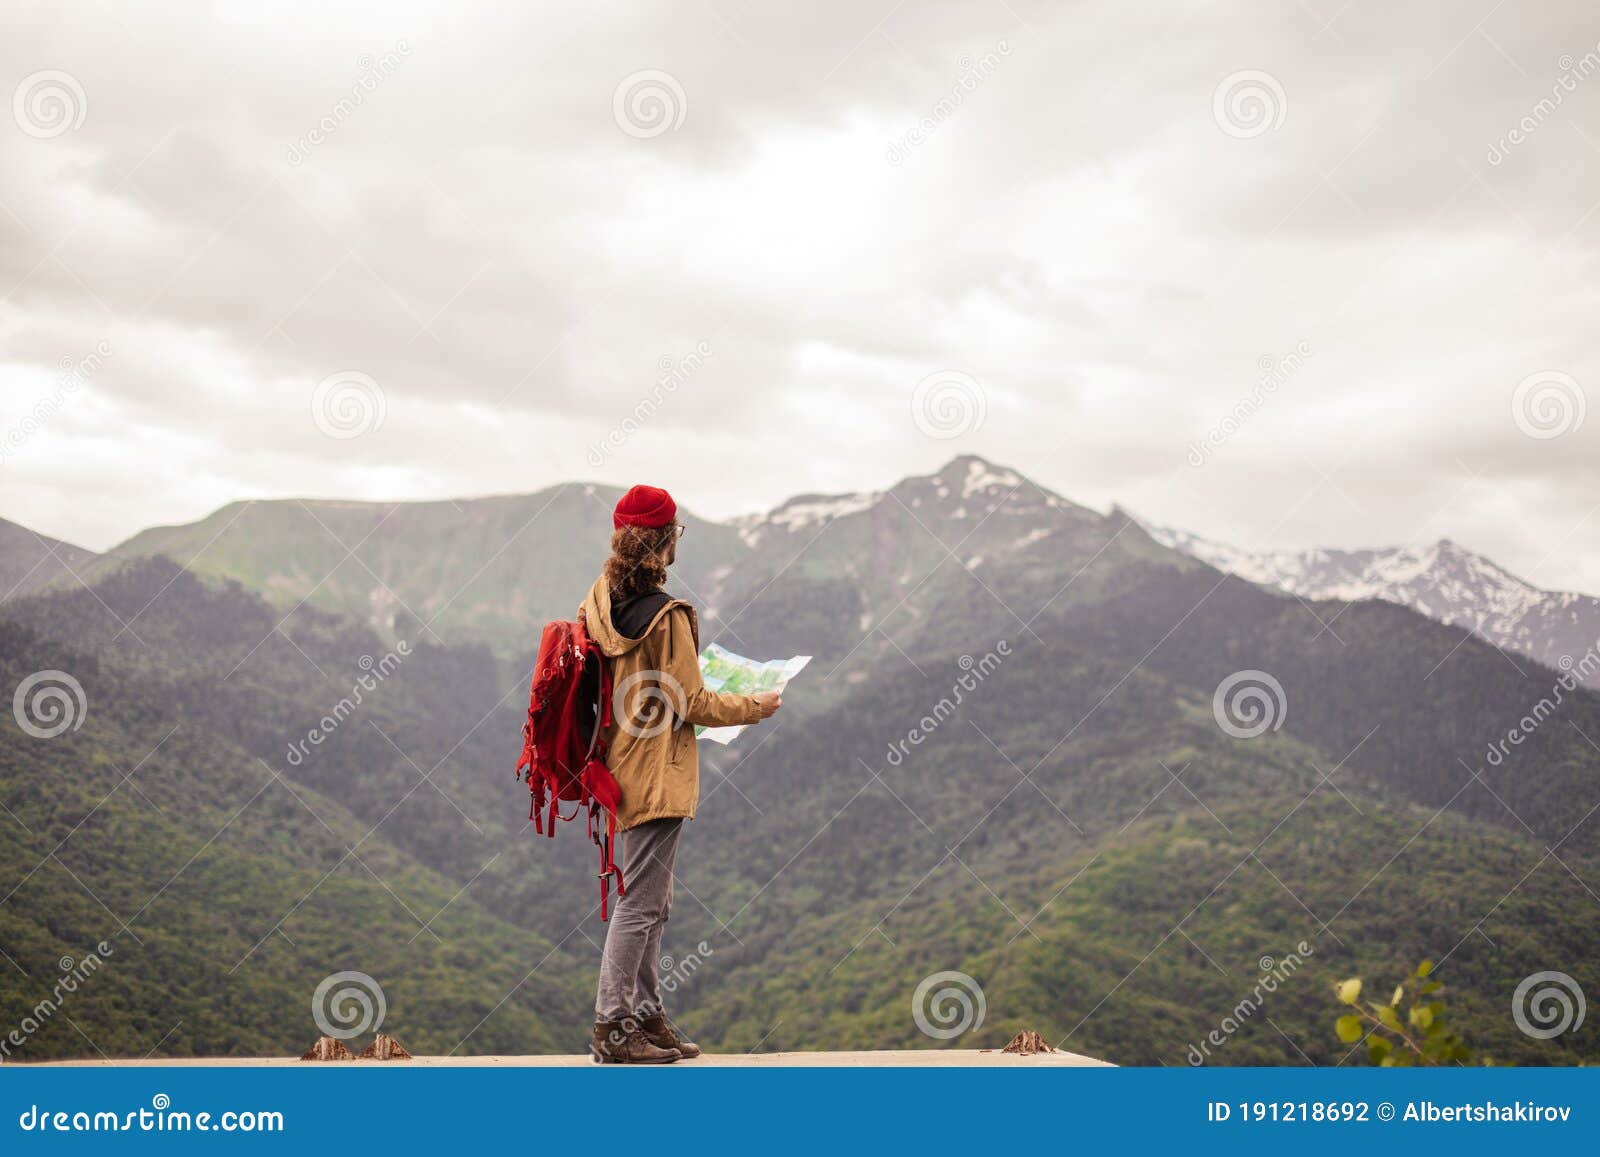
(563,748)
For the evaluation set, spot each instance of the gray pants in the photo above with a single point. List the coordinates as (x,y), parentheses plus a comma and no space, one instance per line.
(630,983)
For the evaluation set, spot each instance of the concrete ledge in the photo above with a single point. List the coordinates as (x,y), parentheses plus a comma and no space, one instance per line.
(903,1058)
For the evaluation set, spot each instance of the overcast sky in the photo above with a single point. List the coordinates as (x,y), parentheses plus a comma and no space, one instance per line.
(428,250)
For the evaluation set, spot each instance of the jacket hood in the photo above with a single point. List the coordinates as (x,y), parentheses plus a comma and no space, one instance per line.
(596,612)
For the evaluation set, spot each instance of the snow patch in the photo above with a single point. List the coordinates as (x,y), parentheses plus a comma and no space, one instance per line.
(982,476)
(799,514)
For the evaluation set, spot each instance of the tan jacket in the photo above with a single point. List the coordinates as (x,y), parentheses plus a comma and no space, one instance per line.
(658,699)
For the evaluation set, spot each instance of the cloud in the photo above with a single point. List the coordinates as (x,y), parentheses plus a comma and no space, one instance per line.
(440,197)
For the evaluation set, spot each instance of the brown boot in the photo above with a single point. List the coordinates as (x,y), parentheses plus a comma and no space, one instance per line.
(659,1033)
(623,1042)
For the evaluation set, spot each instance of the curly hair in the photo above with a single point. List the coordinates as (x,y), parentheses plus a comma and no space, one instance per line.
(637,564)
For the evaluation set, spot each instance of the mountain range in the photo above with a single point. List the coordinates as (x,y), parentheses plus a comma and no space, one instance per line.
(1444,581)
(481,570)
(1018,755)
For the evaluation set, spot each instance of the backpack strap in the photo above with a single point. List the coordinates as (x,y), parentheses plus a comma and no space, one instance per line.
(602,710)
(607,843)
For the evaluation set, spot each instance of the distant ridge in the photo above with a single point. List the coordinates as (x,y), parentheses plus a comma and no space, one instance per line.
(1443,580)
(473,570)
(29,560)
(488,570)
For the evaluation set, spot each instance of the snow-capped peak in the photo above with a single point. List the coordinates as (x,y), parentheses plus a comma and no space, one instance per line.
(967,488)
(1440,575)
(976,488)
(1442,580)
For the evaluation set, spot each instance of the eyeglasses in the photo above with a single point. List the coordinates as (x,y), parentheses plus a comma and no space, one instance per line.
(678,529)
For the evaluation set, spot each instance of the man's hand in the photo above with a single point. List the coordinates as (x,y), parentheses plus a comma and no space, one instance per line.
(768,701)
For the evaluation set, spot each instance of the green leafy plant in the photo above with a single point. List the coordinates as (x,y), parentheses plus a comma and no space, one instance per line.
(1410,1029)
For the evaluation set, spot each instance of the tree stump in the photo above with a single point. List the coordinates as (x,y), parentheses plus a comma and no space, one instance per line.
(328,1049)
(385,1048)
(1026,1044)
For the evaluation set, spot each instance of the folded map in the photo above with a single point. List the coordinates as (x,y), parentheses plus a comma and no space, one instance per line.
(722,670)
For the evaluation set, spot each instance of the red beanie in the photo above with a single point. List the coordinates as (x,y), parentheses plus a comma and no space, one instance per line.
(648,506)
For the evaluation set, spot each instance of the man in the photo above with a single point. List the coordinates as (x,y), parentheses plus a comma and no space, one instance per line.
(652,642)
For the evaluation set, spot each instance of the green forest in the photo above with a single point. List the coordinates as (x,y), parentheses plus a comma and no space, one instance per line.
(1073,830)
